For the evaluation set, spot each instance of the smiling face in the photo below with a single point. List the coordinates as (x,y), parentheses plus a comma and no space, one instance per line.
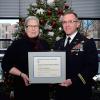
(32,28)
(70,23)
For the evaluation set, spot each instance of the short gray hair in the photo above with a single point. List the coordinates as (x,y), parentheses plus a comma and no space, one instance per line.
(31,18)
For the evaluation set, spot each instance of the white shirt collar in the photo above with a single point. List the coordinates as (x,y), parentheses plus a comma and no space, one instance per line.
(71,37)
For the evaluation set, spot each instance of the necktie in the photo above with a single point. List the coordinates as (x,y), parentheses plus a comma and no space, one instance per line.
(68,42)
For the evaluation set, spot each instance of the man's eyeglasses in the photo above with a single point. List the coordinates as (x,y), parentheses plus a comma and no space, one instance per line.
(32,26)
(69,22)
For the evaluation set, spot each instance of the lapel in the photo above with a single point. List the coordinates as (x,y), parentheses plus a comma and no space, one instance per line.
(77,39)
(61,46)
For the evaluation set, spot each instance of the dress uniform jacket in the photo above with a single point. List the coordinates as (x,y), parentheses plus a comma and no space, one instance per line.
(81,66)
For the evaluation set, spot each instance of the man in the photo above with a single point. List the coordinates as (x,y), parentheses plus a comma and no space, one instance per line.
(81,61)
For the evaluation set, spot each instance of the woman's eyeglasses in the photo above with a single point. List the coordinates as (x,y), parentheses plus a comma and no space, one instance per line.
(32,26)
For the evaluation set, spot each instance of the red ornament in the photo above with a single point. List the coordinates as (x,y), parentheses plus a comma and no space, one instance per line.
(53,23)
(48,30)
(60,12)
(42,21)
(66,6)
(49,12)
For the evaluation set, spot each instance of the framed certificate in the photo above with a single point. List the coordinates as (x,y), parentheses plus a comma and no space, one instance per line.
(47,67)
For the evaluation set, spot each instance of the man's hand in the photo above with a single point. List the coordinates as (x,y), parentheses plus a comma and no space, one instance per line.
(66,83)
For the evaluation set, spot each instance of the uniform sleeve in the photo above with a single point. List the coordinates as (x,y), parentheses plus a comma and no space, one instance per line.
(90,63)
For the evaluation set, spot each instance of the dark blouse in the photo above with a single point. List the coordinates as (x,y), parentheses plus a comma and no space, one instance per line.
(17,53)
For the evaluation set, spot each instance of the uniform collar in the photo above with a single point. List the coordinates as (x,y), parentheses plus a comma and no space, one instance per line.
(72,36)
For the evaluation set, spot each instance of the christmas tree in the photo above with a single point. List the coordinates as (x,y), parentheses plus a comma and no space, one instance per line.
(49,13)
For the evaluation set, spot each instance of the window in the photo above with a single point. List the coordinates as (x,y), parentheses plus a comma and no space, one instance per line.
(7,28)
(91,29)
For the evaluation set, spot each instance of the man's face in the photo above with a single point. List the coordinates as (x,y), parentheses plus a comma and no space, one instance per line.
(70,24)
(32,29)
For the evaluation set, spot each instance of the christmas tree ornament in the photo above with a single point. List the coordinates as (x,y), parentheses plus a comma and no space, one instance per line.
(50,2)
(50,14)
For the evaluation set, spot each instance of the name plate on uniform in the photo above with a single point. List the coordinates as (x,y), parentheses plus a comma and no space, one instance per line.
(47,67)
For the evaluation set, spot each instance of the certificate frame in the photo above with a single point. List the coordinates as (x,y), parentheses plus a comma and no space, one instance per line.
(57,74)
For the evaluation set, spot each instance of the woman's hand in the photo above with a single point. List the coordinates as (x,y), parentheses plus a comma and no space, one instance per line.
(17,72)
(25,78)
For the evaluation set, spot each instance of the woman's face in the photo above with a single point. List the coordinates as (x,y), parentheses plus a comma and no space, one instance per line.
(32,28)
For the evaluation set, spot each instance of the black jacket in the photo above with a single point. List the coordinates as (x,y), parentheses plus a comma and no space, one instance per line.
(81,63)
(17,55)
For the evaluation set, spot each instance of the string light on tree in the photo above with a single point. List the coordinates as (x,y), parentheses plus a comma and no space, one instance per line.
(50,2)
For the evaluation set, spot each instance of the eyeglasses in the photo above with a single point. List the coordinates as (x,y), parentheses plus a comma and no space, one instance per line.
(69,22)
(32,26)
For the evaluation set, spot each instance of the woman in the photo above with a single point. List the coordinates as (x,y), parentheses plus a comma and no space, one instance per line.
(15,62)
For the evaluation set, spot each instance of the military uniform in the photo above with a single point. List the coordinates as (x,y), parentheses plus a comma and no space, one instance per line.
(81,66)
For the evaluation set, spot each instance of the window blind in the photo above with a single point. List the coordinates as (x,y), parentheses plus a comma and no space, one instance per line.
(86,8)
(9,8)
(18,8)
(23,6)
